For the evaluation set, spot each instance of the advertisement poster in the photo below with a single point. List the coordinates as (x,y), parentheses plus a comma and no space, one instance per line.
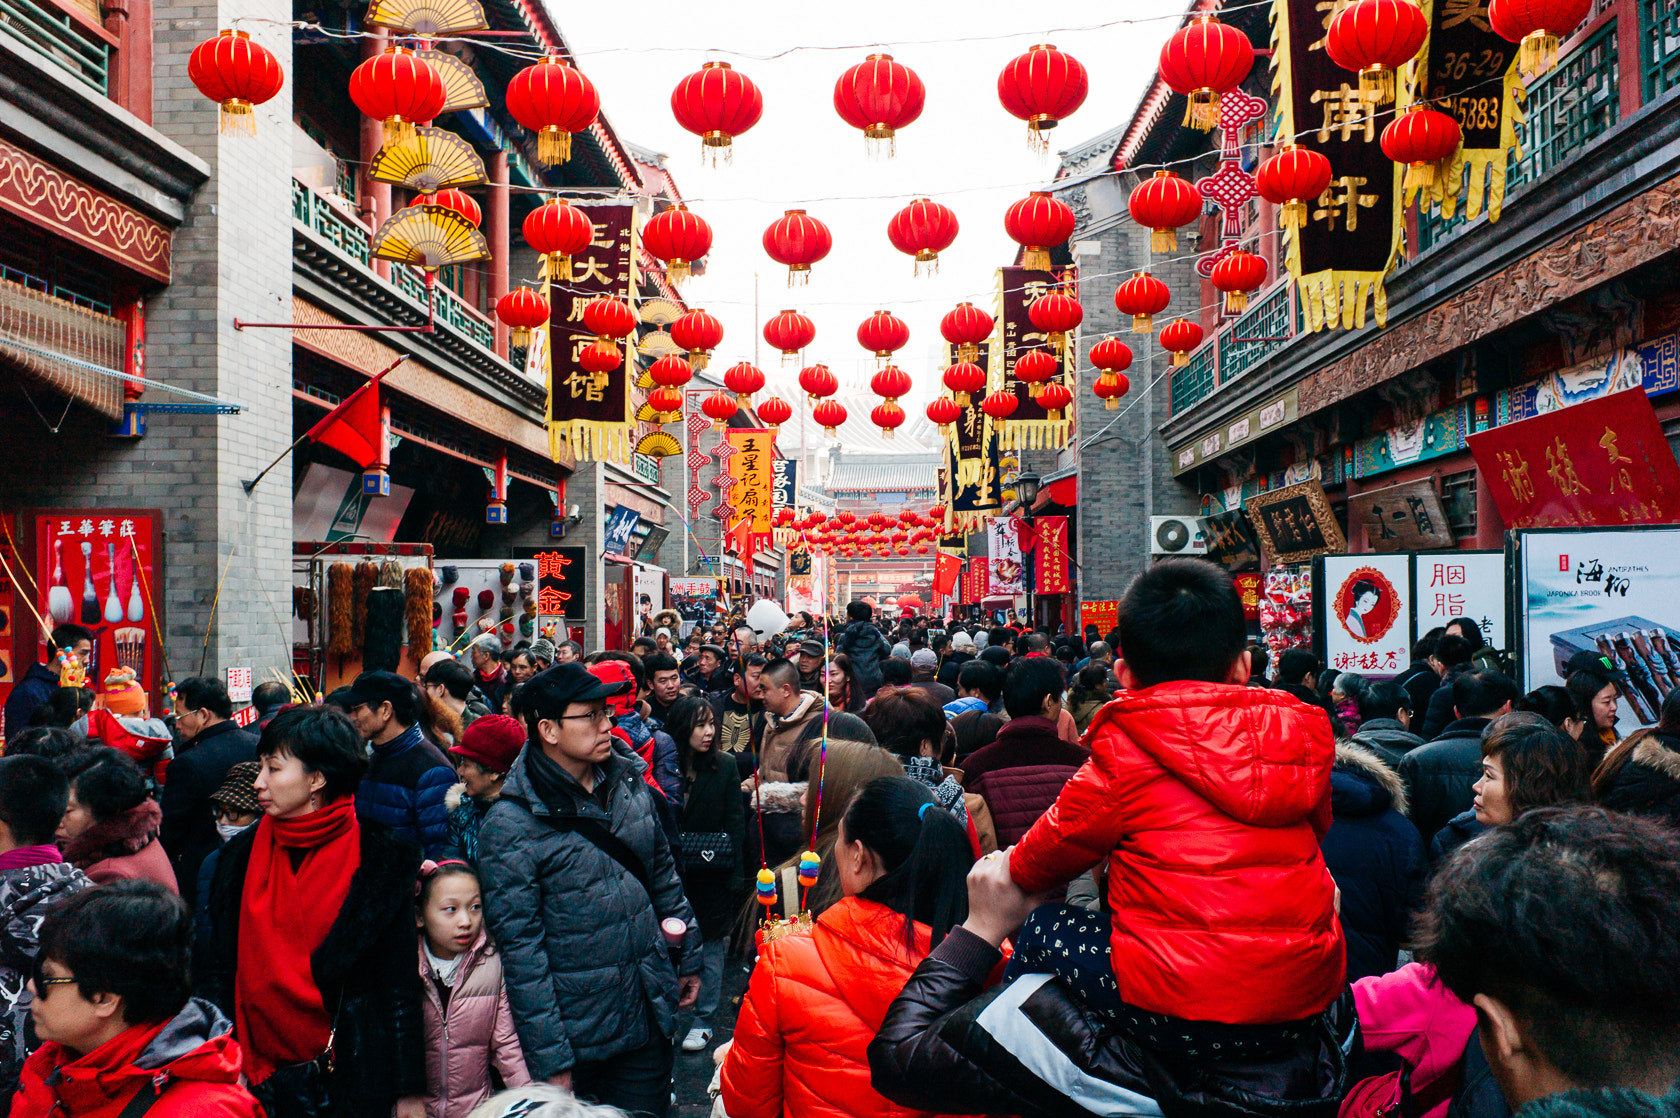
(807,575)
(1614,593)
(1453,584)
(1050,558)
(1366,601)
(650,598)
(1003,557)
(1104,615)
(98,568)
(621,527)
(695,600)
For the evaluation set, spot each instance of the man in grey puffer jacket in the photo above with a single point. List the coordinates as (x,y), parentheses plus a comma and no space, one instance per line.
(577,877)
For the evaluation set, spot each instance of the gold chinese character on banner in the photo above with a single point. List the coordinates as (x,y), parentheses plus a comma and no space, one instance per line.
(1515,475)
(592,268)
(1608,442)
(1474,12)
(1331,9)
(1345,111)
(1562,471)
(1333,206)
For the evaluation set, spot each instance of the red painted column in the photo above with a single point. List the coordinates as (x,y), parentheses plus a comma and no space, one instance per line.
(497,232)
(376,196)
(130,79)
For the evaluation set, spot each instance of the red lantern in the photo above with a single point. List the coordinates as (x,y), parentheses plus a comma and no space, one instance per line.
(1539,25)
(743,378)
(458,200)
(890,383)
(1111,355)
(238,74)
(775,411)
(1000,405)
(1143,297)
(717,103)
(1054,399)
(1042,87)
(1290,179)
(1203,60)
(966,327)
(1238,274)
(889,417)
(790,332)
(923,229)
(553,100)
(797,240)
(882,333)
(1109,388)
(878,521)
(1179,337)
(1034,368)
(608,318)
(831,414)
(1038,223)
(600,357)
(400,89)
(524,311)
(846,516)
(879,96)
(1162,204)
(965,379)
(697,333)
(1057,314)
(720,408)
(678,239)
(557,231)
(817,382)
(1376,38)
(666,401)
(1423,139)
(670,371)
(944,412)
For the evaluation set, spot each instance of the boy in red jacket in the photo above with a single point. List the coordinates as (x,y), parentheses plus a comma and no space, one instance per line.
(1208,799)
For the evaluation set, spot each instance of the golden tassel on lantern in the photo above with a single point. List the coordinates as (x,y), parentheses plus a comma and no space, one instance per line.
(1236,302)
(1164,240)
(1058,342)
(1202,111)
(1538,53)
(1143,323)
(1038,128)
(1036,259)
(962,399)
(1420,176)
(1376,85)
(556,268)
(927,263)
(677,271)
(398,132)
(554,145)
(519,336)
(238,116)
(1295,214)
(967,352)
(1179,360)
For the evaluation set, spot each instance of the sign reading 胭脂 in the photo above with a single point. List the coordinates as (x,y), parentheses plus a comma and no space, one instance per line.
(1453,584)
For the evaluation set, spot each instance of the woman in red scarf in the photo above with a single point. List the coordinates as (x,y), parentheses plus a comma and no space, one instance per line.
(311,927)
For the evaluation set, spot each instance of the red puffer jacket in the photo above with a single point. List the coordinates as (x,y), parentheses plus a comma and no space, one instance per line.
(1209,801)
(815,1002)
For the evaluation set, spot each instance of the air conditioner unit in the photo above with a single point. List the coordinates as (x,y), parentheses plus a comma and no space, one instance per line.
(1176,535)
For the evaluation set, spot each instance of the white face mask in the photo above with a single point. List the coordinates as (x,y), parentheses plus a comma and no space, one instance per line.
(228,830)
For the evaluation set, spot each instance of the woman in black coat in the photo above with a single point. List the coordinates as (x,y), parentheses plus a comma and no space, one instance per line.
(714,826)
(1641,776)
(1376,858)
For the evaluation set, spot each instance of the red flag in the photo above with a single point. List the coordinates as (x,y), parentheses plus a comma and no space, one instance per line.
(744,543)
(353,428)
(946,568)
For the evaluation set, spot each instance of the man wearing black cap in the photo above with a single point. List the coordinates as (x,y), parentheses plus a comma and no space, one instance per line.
(711,670)
(810,665)
(579,889)
(408,777)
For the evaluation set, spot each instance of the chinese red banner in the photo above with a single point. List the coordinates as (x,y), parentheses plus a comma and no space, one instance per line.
(1602,462)
(1030,427)
(1104,615)
(1248,589)
(1050,555)
(946,568)
(592,411)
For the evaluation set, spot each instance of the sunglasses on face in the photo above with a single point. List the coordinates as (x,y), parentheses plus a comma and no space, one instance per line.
(45,982)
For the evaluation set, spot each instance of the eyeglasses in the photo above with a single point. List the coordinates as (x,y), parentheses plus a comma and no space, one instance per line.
(44,983)
(597,715)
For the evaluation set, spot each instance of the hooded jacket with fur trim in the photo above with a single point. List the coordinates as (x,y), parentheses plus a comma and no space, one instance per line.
(1649,784)
(123,847)
(1208,801)
(1376,857)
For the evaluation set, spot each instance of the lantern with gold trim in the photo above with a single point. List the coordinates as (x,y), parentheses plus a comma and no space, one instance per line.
(1179,337)
(1034,368)
(400,89)
(720,408)
(1109,388)
(1161,204)
(878,97)
(1203,61)
(1375,38)
(697,333)
(522,310)
(1424,140)
(965,327)
(1238,274)
(818,382)
(1143,297)
(790,332)
(945,413)
(1290,179)
(554,100)
(678,239)
(1054,399)
(775,411)
(743,378)
(830,414)
(1057,314)
(717,103)
(238,74)
(557,231)
(1042,87)
(965,380)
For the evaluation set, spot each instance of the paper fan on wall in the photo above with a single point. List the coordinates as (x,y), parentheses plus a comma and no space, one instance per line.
(433,161)
(657,343)
(462,89)
(647,413)
(644,379)
(659,444)
(429,237)
(428,17)
(659,312)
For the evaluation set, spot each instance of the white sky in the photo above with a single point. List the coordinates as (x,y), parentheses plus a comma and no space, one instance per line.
(965,151)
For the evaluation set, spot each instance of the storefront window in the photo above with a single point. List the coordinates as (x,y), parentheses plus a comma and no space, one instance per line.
(1458,496)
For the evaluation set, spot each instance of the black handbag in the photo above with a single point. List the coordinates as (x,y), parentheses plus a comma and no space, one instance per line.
(705,850)
(301,1090)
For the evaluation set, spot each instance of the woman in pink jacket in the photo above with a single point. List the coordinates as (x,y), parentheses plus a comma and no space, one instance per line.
(469,1028)
(1409,1012)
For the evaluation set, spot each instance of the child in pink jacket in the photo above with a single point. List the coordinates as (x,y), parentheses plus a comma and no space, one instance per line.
(469,1027)
(1409,1012)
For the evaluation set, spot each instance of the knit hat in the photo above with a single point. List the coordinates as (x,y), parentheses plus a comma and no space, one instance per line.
(543,649)
(460,596)
(239,790)
(924,658)
(486,599)
(122,693)
(492,742)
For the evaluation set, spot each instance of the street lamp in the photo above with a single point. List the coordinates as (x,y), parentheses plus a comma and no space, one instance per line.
(1026,492)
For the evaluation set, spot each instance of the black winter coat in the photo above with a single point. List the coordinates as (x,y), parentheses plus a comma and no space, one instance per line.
(714,804)
(364,969)
(199,768)
(1439,713)
(1649,784)
(1387,739)
(1420,682)
(1376,858)
(950,1047)
(866,647)
(1458,830)
(1440,776)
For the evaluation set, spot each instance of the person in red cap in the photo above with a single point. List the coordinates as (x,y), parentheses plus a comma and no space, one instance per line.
(646,736)
(482,760)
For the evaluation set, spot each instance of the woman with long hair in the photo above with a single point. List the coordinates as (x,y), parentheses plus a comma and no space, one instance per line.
(1641,776)
(819,994)
(312,934)
(1596,697)
(1088,695)
(840,681)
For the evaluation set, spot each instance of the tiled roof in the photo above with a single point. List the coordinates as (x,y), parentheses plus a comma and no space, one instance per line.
(897,477)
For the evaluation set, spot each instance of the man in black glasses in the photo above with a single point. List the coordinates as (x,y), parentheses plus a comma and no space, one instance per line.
(582,897)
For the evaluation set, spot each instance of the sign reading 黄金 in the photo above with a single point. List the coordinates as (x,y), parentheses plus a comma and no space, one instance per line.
(1468,71)
(1598,463)
(1050,555)
(592,411)
(560,589)
(1352,235)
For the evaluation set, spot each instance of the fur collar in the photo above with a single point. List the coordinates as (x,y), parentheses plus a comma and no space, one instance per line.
(128,833)
(1656,751)
(1351,755)
(452,798)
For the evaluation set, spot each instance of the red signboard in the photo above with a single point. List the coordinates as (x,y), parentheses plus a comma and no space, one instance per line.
(1050,561)
(1599,463)
(1104,615)
(1248,589)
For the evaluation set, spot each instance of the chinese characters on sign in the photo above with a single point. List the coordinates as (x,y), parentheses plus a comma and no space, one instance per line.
(593,410)
(1050,555)
(560,581)
(1230,540)
(750,466)
(620,529)
(1405,517)
(971,460)
(1104,615)
(1295,523)
(1461,584)
(1019,289)
(1468,71)
(1003,555)
(1366,612)
(784,483)
(1599,463)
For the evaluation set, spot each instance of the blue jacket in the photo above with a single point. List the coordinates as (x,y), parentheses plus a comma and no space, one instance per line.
(404,789)
(1376,858)
(35,688)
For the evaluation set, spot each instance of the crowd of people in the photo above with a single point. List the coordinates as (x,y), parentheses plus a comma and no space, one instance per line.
(972,870)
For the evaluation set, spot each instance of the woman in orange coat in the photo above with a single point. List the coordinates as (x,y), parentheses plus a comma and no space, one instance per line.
(818,996)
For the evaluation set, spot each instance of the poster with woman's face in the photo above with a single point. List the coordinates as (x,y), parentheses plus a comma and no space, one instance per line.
(1367,615)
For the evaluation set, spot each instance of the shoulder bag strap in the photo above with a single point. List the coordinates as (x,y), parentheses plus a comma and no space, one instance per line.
(598,836)
(143,1101)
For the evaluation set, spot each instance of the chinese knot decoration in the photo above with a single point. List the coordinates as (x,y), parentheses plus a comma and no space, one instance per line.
(1230,187)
